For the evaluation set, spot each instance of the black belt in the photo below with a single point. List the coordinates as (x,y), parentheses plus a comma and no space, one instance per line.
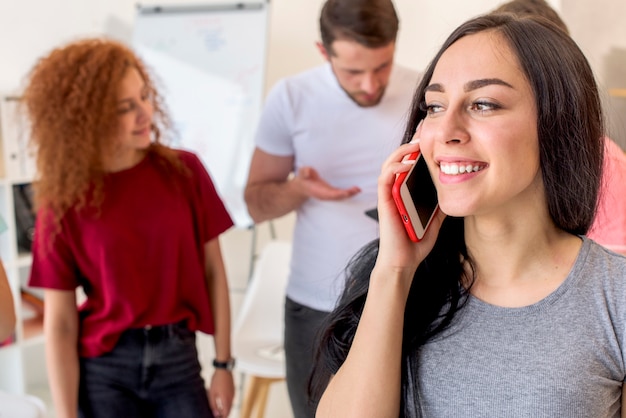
(157,332)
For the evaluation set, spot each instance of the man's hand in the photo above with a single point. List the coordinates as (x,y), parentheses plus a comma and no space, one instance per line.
(315,186)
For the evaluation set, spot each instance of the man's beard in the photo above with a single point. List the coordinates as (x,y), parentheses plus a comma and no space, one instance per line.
(366,102)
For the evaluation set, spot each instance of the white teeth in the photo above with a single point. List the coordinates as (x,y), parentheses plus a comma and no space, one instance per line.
(453,169)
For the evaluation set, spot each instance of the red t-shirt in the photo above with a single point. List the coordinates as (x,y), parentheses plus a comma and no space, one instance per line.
(140,258)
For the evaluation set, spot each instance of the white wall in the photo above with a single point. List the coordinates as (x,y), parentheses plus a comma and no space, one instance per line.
(29,28)
(599,28)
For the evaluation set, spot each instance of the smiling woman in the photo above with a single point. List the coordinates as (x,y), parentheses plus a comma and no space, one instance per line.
(136,224)
(500,309)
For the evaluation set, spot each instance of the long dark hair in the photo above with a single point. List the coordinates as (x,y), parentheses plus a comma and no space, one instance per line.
(570,129)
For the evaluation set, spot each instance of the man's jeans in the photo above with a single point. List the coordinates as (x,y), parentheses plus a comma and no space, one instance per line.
(302,325)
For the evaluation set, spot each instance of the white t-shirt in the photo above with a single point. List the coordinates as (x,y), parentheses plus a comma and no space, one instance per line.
(310,117)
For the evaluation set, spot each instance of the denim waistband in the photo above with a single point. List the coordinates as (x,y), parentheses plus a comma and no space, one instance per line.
(157,332)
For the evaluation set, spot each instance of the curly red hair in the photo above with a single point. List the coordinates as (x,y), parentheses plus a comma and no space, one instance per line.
(71,101)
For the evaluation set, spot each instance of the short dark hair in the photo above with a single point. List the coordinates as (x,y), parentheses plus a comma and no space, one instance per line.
(532,8)
(371,23)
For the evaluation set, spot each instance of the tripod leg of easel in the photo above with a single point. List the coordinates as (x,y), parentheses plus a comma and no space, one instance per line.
(253,248)
(252,252)
(272,229)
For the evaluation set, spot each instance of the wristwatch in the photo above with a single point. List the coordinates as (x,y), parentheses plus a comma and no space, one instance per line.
(226,365)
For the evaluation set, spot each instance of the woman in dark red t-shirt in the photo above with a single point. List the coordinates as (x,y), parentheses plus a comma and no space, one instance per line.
(135,224)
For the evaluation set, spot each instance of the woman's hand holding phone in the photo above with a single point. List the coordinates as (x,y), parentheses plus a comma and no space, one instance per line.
(397,250)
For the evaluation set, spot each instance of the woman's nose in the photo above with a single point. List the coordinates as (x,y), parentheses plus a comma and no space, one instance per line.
(144,111)
(452,128)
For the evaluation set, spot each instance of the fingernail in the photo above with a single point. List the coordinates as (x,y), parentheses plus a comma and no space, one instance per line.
(415,141)
(408,162)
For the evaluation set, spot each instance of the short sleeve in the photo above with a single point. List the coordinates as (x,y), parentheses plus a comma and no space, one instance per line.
(53,264)
(609,227)
(274,133)
(212,216)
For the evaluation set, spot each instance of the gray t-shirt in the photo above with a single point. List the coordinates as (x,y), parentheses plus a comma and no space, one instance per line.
(560,357)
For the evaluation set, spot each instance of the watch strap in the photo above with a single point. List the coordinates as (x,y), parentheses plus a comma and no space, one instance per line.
(225,365)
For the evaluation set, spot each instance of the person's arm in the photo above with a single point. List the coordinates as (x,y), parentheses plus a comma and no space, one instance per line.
(222,389)
(7,308)
(369,381)
(271,192)
(61,332)
(609,225)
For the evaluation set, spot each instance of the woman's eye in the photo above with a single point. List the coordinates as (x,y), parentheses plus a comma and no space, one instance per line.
(125,108)
(430,108)
(483,106)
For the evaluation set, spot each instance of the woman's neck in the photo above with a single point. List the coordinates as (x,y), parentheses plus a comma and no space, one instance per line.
(119,162)
(518,263)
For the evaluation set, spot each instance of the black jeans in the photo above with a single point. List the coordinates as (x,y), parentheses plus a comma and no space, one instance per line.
(301,328)
(152,372)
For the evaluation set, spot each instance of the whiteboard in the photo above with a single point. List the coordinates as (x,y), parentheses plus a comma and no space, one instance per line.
(210,62)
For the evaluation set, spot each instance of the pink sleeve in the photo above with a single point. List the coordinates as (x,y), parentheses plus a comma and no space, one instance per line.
(609,227)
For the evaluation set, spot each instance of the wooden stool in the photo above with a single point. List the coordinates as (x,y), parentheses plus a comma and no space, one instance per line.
(256,395)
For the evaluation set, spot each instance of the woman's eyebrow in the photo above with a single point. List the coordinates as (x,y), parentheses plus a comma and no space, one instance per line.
(435,87)
(470,85)
(476,84)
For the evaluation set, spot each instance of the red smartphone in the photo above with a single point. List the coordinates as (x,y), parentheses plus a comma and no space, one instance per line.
(416,198)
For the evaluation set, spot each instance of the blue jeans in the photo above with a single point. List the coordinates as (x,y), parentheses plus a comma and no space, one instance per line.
(302,325)
(152,372)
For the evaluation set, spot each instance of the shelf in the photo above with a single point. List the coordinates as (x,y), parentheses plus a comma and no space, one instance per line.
(10,181)
(19,361)
(32,315)
(33,340)
(24,260)
(32,327)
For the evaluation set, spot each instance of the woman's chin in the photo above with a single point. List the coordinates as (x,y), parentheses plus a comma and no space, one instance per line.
(454,209)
